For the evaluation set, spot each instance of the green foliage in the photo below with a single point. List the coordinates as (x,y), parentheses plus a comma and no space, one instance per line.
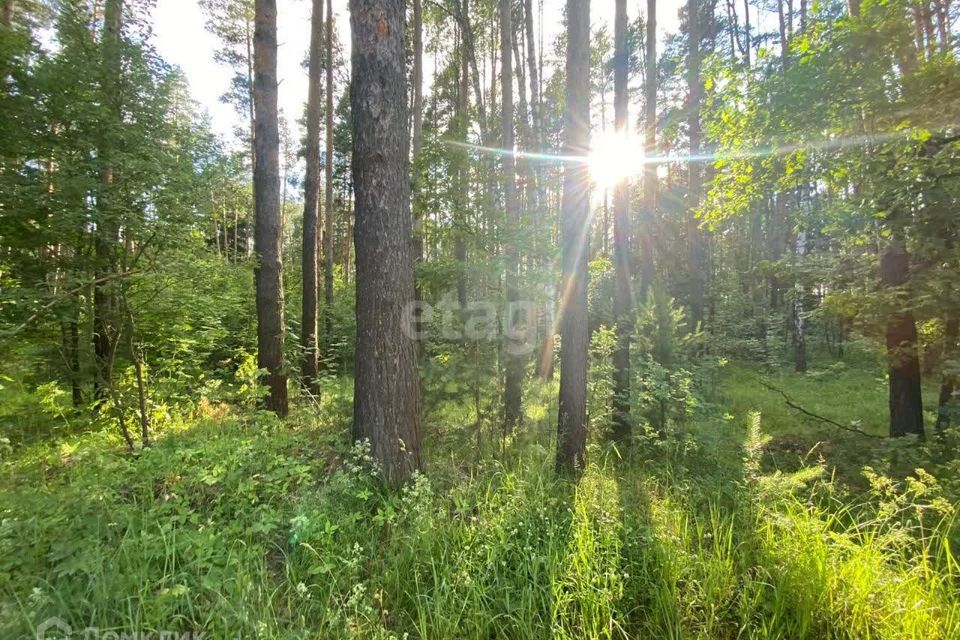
(233,523)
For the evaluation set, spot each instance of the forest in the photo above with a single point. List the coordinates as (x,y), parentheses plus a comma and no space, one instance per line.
(536,319)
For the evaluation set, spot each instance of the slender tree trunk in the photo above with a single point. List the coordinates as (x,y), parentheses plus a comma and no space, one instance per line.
(694,239)
(6,16)
(647,267)
(575,215)
(463,118)
(512,392)
(746,30)
(251,101)
(311,201)
(942,8)
(107,226)
(387,390)
(266,194)
(417,146)
(906,405)
(623,309)
(70,335)
(948,383)
(328,169)
(799,322)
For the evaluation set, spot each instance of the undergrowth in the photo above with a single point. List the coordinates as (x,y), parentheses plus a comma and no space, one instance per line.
(235,525)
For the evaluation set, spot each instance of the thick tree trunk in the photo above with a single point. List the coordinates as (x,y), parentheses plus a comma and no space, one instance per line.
(906,405)
(575,216)
(328,170)
(647,268)
(387,391)
(697,275)
(311,202)
(266,194)
(512,391)
(622,307)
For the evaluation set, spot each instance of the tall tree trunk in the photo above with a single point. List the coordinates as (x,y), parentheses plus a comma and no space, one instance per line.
(107,226)
(799,322)
(70,335)
(533,72)
(647,267)
(575,216)
(387,389)
(266,195)
(251,106)
(311,202)
(746,30)
(328,169)
(417,145)
(6,16)
(622,307)
(463,173)
(948,383)
(906,405)
(512,392)
(694,240)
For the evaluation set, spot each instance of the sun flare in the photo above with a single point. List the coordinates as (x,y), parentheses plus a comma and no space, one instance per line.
(614,157)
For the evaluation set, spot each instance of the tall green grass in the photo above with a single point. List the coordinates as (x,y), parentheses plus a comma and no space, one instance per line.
(234,525)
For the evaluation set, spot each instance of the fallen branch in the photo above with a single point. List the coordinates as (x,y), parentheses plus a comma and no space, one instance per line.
(793,405)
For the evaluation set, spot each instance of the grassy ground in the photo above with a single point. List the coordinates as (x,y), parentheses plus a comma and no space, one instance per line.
(734,526)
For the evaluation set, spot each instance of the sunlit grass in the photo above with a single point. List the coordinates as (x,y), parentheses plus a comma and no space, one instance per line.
(233,526)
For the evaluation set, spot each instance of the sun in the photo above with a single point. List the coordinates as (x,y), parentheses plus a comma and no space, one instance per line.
(614,157)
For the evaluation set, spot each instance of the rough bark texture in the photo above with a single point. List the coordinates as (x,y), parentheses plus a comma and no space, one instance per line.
(387,391)
(311,203)
(575,209)
(622,307)
(328,170)
(906,406)
(697,275)
(266,196)
(650,145)
(512,393)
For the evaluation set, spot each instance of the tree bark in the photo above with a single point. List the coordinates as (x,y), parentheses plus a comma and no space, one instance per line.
(799,321)
(387,391)
(311,202)
(949,381)
(266,194)
(512,391)
(906,405)
(647,268)
(694,240)
(107,226)
(328,170)
(622,307)
(575,210)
